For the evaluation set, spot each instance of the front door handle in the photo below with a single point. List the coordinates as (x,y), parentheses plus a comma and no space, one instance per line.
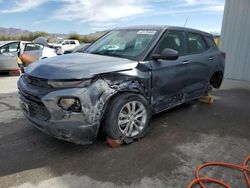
(185,62)
(211,58)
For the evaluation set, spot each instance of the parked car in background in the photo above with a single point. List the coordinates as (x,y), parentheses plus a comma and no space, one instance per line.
(80,48)
(119,82)
(10,51)
(37,50)
(8,55)
(63,45)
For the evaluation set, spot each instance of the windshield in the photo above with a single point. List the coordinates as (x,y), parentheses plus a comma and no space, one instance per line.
(128,44)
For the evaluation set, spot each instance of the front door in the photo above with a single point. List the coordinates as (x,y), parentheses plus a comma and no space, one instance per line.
(169,77)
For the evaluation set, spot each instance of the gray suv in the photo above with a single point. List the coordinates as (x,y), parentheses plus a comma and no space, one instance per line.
(119,82)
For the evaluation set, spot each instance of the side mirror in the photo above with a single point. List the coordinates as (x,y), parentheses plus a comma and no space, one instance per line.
(167,54)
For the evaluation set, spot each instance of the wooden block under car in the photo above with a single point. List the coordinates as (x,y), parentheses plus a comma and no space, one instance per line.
(114,143)
(207,99)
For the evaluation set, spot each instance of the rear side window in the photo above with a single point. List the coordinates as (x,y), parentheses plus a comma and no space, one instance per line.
(196,43)
(32,47)
(72,42)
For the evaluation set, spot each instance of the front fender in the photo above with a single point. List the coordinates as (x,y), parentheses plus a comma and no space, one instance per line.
(118,88)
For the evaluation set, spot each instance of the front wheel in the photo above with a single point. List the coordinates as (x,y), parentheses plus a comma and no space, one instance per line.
(128,116)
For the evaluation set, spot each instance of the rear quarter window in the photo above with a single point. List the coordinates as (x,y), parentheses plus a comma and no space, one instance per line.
(211,43)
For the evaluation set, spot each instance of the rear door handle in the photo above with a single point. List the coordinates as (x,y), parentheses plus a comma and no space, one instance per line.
(185,62)
(211,58)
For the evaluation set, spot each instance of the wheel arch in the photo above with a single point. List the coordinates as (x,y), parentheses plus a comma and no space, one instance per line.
(216,79)
(112,97)
(121,92)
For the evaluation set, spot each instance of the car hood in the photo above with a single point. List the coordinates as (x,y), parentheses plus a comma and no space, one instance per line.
(77,66)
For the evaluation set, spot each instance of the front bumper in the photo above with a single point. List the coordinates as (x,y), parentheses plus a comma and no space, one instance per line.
(40,106)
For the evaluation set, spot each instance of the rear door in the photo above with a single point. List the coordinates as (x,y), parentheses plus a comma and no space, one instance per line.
(199,61)
(169,77)
(33,49)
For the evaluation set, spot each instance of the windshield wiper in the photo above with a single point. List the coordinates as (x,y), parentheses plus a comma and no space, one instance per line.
(106,53)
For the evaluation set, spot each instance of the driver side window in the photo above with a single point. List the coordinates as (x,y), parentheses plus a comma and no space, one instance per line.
(174,40)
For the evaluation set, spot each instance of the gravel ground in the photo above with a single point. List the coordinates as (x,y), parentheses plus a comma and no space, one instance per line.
(8,84)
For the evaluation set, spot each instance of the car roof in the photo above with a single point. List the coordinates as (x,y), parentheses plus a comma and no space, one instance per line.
(163,28)
(8,42)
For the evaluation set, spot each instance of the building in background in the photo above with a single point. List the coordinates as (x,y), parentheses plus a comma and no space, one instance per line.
(235,39)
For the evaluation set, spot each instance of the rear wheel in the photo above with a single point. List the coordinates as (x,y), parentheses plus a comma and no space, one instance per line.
(214,82)
(128,116)
(216,79)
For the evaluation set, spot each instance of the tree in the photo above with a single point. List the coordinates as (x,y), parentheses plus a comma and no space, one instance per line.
(74,36)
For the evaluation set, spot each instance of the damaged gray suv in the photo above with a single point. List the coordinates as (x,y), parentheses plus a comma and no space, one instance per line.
(119,82)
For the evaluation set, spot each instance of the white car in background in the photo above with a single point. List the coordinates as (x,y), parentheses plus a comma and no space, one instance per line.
(65,45)
(10,51)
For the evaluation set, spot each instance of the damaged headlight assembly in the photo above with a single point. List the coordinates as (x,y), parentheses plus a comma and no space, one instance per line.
(70,104)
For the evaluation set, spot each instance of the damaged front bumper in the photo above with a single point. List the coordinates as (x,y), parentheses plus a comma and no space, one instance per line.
(40,106)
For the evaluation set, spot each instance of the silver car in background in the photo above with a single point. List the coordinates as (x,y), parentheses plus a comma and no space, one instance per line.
(10,51)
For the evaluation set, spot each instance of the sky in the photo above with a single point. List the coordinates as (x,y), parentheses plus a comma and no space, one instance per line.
(89,16)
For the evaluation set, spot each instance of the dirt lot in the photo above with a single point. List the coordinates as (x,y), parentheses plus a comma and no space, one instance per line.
(180,139)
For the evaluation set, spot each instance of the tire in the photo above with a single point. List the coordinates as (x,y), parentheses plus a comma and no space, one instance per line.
(121,120)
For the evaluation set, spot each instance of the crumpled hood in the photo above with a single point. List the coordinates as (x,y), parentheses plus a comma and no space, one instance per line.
(77,66)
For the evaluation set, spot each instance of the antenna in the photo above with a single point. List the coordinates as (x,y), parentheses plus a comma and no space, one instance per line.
(186,22)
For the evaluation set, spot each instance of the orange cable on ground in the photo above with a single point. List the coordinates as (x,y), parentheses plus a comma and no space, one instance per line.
(199,180)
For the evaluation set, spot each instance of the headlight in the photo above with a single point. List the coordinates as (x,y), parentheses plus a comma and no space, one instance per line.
(70,104)
(67,84)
